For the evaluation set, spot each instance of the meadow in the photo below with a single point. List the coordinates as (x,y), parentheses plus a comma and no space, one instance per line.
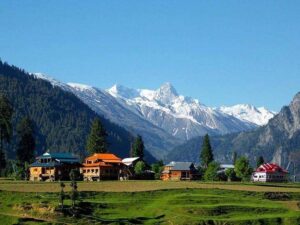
(152,202)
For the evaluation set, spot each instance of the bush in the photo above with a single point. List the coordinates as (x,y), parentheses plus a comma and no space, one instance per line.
(211,173)
(140,167)
(230,174)
(242,169)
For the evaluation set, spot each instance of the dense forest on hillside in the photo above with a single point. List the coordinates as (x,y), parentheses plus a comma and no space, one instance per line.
(62,122)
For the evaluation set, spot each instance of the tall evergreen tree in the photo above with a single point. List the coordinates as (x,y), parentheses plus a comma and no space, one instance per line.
(96,142)
(206,155)
(260,160)
(6,112)
(26,143)
(138,148)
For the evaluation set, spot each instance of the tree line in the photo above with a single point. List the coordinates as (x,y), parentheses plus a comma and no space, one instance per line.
(209,168)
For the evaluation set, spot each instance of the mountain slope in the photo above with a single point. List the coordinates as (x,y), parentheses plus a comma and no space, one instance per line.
(62,120)
(277,141)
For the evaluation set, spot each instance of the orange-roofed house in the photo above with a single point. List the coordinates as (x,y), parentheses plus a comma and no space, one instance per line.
(102,166)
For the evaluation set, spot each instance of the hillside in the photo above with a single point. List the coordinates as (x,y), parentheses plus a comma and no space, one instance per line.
(62,120)
(278,141)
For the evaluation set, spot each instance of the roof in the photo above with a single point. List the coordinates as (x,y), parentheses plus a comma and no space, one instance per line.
(226,166)
(102,159)
(180,165)
(50,164)
(129,161)
(57,155)
(60,158)
(105,157)
(270,168)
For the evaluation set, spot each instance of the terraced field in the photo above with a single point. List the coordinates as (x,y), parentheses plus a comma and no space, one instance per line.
(171,206)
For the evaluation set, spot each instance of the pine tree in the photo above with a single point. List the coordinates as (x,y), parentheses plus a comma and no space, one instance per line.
(260,160)
(96,142)
(138,148)
(6,112)
(26,144)
(206,155)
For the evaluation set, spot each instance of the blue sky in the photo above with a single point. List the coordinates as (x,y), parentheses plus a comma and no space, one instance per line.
(221,52)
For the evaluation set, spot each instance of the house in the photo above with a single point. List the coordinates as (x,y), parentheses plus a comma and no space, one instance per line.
(270,172)
(179,171)
(102,166)
(53,166)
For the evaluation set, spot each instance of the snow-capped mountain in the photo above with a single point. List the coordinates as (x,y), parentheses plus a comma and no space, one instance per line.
(259,116)
(163,117)
(185,117)
(157,141)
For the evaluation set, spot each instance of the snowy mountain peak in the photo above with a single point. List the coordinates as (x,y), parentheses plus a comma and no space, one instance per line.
(45,77)
(164,109)
(123,92)
(167,89)
(259,116)
(166,93)
(81,87)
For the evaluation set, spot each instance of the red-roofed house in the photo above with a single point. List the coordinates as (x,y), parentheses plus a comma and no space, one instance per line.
(102,166)
(270,172)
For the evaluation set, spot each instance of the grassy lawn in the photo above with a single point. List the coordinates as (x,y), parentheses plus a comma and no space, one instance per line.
(141,202)
(135,186)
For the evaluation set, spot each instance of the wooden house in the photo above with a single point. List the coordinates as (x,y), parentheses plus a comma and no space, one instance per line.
(53,166)
(179,171)
(270,172)
(102,166)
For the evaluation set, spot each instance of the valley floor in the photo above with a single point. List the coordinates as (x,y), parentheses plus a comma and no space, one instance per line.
(152,202)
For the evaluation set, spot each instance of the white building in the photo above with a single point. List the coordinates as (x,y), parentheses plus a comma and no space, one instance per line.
(270,172)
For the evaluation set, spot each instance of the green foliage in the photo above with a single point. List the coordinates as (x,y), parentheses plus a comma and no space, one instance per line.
(260,160)
(17,172)
(26,143)
(139,167)
(230,174)
(211,173)
(138,148)
(157,168)
(62,121)
(6,112)
(243,169)
(206,155)
(96,142)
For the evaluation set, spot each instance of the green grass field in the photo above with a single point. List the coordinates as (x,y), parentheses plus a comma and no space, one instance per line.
(153,202)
